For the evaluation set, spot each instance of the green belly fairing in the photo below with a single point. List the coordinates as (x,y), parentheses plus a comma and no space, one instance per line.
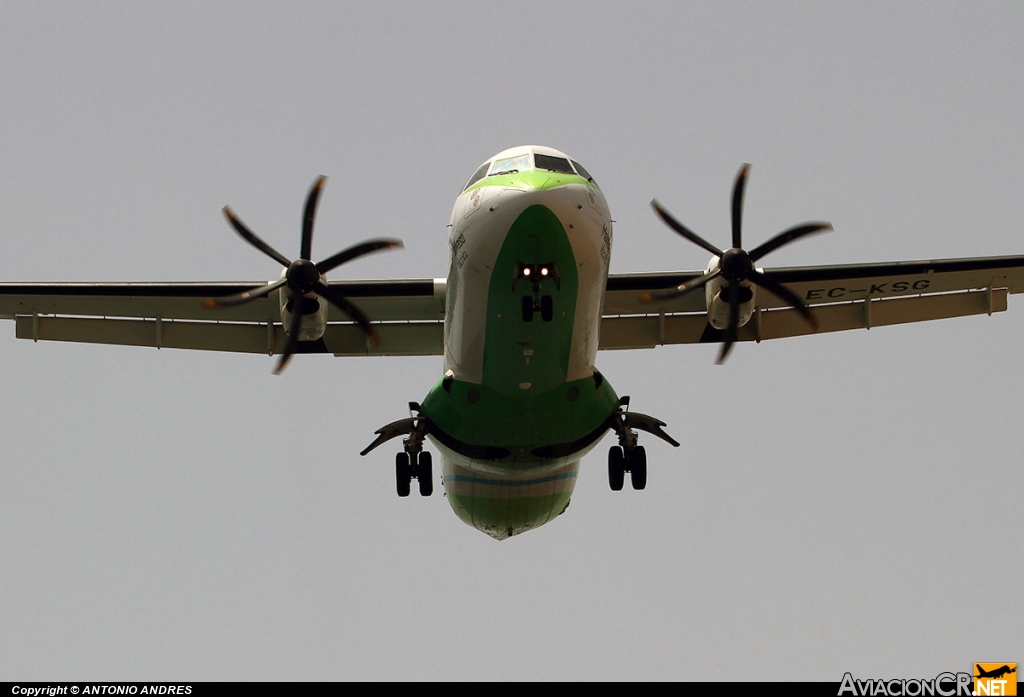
(520,422)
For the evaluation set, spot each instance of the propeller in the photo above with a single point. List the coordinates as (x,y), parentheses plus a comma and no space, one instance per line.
(302,275)
(736,264)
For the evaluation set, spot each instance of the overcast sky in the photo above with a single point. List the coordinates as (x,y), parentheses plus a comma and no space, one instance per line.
(845,502)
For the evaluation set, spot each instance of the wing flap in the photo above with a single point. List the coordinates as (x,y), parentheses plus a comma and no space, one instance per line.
(648,331)
(397,338)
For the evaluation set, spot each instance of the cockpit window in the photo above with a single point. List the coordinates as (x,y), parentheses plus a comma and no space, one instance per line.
(553,164)
(507,165)
(582,172)
(477,176)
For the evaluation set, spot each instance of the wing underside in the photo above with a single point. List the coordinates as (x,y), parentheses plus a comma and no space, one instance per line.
(409,314)
(853,296)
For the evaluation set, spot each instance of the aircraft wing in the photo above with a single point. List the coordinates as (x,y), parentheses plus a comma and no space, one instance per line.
(407,314)
(853,296)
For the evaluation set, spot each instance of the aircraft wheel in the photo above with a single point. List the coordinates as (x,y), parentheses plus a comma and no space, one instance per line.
(403,474)
(547,308)
(425,473)
(638,468)
(616,468)
(527,308)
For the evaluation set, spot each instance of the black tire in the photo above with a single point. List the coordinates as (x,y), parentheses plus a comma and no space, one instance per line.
(616,468)
(425,473)
(638,468)
(547,308)
(403,474)
(527,308)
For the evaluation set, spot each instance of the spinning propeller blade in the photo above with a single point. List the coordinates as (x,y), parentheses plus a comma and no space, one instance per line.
(302,276)
(736,265)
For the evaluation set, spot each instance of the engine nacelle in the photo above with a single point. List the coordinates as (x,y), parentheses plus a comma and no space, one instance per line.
(716,295)
(313,309)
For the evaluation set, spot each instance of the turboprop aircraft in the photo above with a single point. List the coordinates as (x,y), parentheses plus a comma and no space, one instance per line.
(527,304)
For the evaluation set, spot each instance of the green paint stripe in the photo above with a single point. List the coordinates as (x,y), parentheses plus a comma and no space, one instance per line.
(536,237)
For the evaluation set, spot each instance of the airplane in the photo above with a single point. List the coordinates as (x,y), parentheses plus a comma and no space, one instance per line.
(995,673)
(527,304)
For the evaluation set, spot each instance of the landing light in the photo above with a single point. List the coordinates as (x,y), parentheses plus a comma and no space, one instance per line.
(536,273)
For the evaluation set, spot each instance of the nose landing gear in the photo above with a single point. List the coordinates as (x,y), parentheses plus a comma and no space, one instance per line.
(536,274)
(545,304)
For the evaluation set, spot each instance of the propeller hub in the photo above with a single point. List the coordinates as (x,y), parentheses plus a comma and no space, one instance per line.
(302,275)
(736,264)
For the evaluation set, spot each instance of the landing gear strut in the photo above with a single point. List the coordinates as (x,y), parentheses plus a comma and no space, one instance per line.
(414,463)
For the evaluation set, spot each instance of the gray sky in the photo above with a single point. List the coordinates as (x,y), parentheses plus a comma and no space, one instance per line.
(840,503)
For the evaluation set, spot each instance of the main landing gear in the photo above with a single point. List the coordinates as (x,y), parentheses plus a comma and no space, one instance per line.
(413,462)
(632,460)
(418,466)
(627,456)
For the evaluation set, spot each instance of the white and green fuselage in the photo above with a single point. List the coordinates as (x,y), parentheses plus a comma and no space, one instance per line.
(521,401)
